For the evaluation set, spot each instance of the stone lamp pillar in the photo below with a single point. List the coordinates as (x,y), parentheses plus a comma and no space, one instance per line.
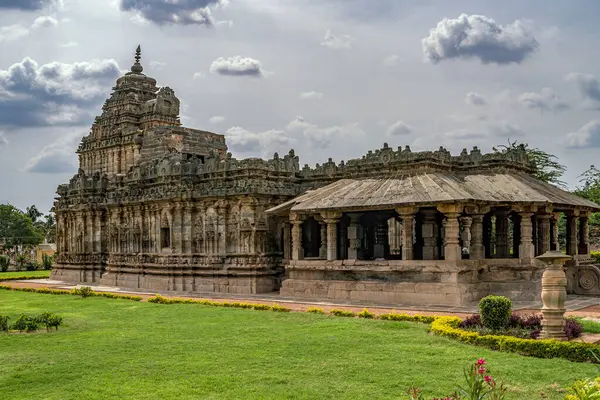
(554,295)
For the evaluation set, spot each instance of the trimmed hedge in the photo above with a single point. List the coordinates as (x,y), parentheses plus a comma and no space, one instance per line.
(74,292)
(158,299)
(393,316)
(573,351)
(22,277)
(495,311)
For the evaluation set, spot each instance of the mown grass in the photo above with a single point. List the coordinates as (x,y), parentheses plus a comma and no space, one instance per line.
(118,349)
(589,326)
(24,273)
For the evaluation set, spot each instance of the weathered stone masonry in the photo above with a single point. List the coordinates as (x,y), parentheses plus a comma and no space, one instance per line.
(158,206)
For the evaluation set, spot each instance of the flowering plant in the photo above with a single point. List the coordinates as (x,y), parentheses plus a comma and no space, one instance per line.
(480,385)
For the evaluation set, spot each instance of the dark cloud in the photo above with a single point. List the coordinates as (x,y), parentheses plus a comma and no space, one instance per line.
(545,100)
(56,158)
(475,99)
(236,66)
(587,136)
(162,12)
(588,86)
(257,143)
(25,5)
(476,36)
(399,128)
(54,93)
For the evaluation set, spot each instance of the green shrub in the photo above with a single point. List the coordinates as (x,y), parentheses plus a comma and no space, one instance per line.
(394,316)
(586,389)
(342,313)
(4,263)
(50,320)
(47,261)
(596,256)
(26,323)
(276,307)
(495,311)
(315,310)
(4,323)
(31,266)
(366,314)
(573,351)
(84,291)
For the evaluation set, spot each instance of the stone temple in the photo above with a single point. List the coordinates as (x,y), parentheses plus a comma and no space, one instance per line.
(157,206)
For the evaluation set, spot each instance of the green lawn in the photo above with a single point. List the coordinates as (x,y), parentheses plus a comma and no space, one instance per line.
(24,273)
(118,349)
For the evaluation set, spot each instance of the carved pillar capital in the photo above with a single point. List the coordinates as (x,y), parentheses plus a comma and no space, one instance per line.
(331,215)
(451,208)
(407,210)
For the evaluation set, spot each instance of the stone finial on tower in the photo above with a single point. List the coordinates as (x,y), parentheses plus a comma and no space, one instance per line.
(137,67)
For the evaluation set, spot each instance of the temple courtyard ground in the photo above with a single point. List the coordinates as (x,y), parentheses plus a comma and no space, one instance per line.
(119,349)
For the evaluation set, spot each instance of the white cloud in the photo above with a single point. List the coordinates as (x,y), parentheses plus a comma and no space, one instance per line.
(399,128)
(477,36)
(3,139)
(198,75)
(56,158)
(217,119)
(391,61)
(311,95)
(545,100)
(236,66)
(157,65)
(587,136)
(12,32)
(322,137)
(70,44)
(475,99)
(44,22)
(257,143)
(337,42)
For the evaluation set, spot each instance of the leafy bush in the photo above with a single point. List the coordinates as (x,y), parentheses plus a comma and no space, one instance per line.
(366,314)
(596,256)
(585,389)
(47,261)
(315,310)
(50,320)
(31,266)
(23,277)
(276,307)
(342,313)
(4,323)
(573,329)
(574,351)
(394,316)
(20,261)
(4,263)
(474,321)
(25,323)
(84,291)
(495,311)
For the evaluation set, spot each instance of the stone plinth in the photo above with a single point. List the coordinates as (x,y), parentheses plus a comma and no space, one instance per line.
(554,295)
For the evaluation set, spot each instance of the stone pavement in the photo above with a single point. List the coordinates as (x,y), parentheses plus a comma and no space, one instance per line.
(576,305)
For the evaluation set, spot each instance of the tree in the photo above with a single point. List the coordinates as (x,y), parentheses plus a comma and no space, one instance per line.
(33,213)
(50,228)
(16,228)
(546,167)
(589,188)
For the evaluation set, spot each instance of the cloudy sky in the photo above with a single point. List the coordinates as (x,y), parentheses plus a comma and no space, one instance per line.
(331,78)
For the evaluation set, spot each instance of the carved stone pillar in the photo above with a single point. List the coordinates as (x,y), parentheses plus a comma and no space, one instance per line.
(465,235)
(554,295)
(502,248)
(331,218)
(451,231)
(584,235)
(526,247)
(187,228)
(543,223)
(89,235)
(323,248)
(297,250)
(407,215)
(554,218)
(477,248)
(98,231)
(287,240)
(572,245)
(355,235)
(429,232)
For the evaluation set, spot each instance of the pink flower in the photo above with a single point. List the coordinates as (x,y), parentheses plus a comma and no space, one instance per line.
(487,378)
(481,370)
(481,361)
